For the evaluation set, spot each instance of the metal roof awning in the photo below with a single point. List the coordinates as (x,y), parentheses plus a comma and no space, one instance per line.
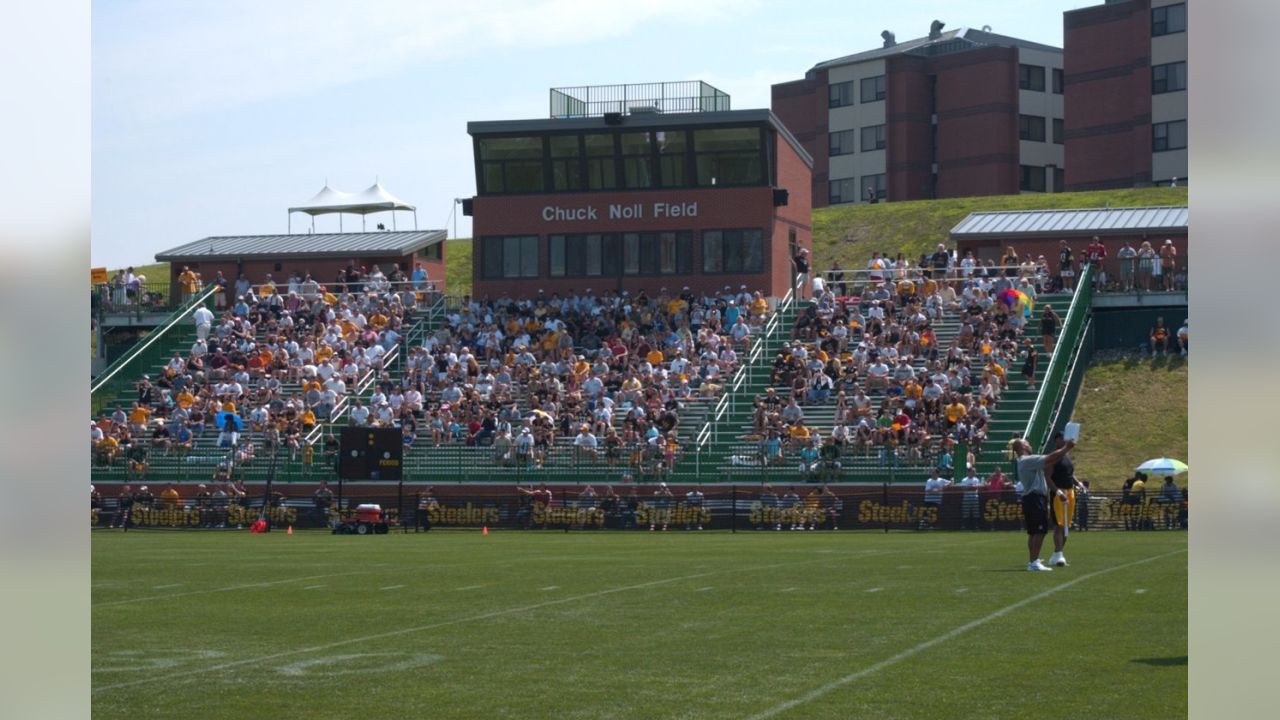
(326,245)
(1083,221)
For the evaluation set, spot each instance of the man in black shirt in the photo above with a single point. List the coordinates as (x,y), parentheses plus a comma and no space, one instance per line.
(1063,477)
(940,260)
(1066,267)
(323,500)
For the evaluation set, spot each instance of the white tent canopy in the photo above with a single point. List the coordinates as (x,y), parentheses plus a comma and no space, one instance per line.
(372,199)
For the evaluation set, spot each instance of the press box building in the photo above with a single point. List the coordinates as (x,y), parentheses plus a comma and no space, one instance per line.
(629,187)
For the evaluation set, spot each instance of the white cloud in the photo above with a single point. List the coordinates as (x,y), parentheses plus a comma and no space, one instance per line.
(156,59)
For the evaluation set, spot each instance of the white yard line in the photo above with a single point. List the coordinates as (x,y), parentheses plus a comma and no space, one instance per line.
(874,589)
(423,628)
(166,587)
(871,670)
(229,588)
(469,587)
(392,587)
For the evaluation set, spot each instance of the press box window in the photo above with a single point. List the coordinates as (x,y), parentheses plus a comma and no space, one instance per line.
(729,156)
(566,163)
(673,146)
(1169,136)
(637,160)
(512,256)
(602,168)
(511,164)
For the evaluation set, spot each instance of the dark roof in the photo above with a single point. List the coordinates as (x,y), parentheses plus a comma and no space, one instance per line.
(1083,221)
(967,36)
(304,245)
(641,120)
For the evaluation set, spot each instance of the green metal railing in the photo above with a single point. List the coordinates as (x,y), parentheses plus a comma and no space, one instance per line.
(149,352)
(1055,380)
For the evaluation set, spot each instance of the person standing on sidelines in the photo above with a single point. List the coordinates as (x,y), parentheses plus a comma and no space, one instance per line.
(1035,496)
(1063,476)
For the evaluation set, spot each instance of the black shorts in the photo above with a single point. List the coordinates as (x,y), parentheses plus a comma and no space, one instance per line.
(1035,513)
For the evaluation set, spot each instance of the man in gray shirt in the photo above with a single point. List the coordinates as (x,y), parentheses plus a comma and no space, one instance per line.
(1035,496)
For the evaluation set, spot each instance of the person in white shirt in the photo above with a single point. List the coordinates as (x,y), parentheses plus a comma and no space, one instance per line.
(970,509)
(933,488)
(585,444)
(203,318)
(359,414)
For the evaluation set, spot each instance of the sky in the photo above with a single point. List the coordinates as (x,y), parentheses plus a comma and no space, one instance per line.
(215,118)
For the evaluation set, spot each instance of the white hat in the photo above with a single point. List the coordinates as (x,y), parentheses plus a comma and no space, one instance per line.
(804,251)
(1167,241)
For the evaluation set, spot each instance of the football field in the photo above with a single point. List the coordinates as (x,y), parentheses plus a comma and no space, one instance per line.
(636,625)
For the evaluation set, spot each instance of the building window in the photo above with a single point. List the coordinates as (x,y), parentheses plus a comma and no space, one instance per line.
(614,254)
(1031,127)
(873,138)
(1032,178)
(637,160)
(1168,78)
(840,94)
(1059,180)
(430,253)
(602,168)
(1058,81)
(673,146)
(566,163)
(1031,77)
(729,156)
(1168,20)
(732,251)
(1169,136)
(842,142)
(873,185)
(873,89)
(1058,131)
(513,256)
(511,164)
(844,190)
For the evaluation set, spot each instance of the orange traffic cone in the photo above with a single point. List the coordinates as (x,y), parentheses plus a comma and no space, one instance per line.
(484,530)
(289,531)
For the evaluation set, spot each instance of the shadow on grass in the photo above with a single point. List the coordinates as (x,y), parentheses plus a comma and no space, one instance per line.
(1162,661)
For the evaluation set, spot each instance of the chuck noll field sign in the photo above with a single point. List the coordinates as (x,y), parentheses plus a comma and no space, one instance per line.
(370,454)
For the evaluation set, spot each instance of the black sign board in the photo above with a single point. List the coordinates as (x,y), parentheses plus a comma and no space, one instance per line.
(370,454)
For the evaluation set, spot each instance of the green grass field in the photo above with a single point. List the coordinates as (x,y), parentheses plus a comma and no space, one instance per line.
(457,266)
(636,625)
(850,232)
(1115,391)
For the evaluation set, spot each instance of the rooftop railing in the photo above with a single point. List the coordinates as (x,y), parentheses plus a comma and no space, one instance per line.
(687,96)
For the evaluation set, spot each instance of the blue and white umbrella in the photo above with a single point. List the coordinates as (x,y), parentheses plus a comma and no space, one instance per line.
(1163,466)
(221,420)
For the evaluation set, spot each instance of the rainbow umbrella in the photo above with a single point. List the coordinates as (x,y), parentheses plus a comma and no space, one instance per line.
(1008,296)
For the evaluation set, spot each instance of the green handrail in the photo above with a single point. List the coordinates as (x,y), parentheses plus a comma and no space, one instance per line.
(1037,431)
(106,379)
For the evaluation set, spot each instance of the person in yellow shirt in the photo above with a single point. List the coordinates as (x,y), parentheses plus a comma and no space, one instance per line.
(655,357)
(323,353)
(378,320)
(139,416)
(169,498)
(799,433)
(759,306)
(906,289)
(185,399)
(187,283)
(308,419)
(955,412)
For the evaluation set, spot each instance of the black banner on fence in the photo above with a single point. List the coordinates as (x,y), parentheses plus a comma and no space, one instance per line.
(644,507)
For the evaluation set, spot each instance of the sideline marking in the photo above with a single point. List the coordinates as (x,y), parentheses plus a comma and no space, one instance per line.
(313,587)
(704,589)
(871,670)
(166,587)
(874,589)
(962,590)
(392,587)
(790,589)
(221,589)
(551,587)
(433,626)
(1139,591)
(469,587)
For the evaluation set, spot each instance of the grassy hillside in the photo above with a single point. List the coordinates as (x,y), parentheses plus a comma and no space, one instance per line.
(851,232)
(1131,409)
(457,272)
